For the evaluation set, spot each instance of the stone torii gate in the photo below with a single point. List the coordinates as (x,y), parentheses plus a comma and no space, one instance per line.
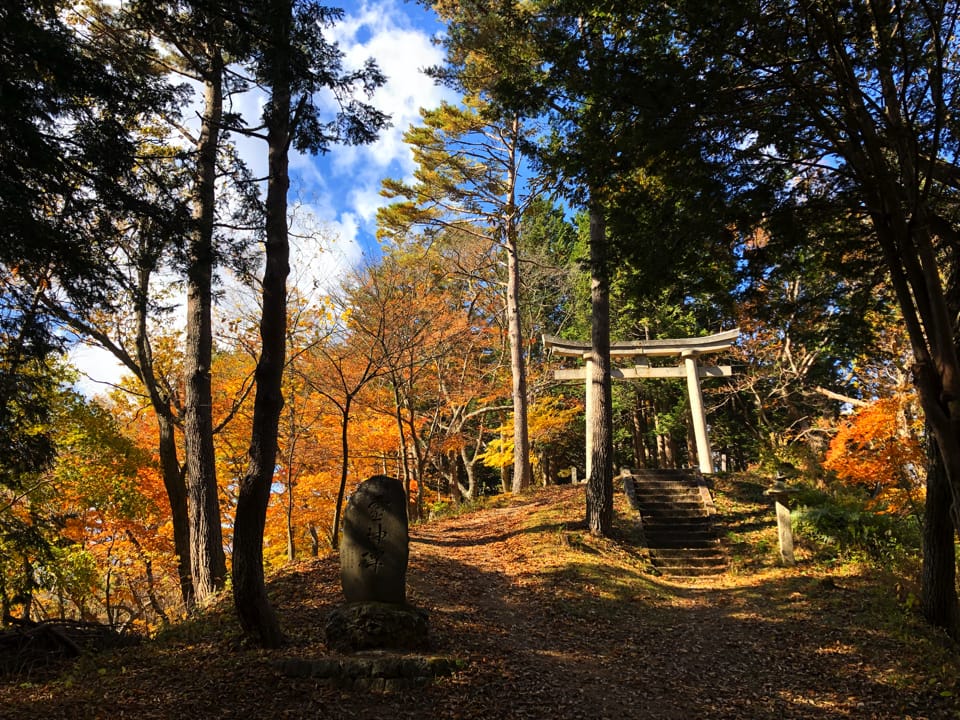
(687,349)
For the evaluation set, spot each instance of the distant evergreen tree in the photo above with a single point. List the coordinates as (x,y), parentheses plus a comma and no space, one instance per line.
(67,156)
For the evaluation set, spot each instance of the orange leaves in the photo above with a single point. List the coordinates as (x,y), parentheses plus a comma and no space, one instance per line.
(878,448)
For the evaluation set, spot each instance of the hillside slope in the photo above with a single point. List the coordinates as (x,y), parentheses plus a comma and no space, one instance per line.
(548,623)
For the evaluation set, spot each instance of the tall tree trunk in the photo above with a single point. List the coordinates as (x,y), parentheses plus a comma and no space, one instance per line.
(290,459)
(518,371)
(938,594)
(639,432)
(314,541)
(398,416)
(344,465)
(505,471)
(470,470)
(456,494)
(171,471)
(522,477)
(600,482)
(291,540)
(693,457)
(176,487)
(256,615)
(414,503)
(206,540)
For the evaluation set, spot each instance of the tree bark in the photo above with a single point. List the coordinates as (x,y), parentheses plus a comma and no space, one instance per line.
(176,487)
(344,464)
(257,617)
(291,481)
(208,562)
(600,482)
(291,539)
(398,416)
(938,593)
(173,474)
(456,494)
(522,476)
(639,432)
(470,470)
(518,371)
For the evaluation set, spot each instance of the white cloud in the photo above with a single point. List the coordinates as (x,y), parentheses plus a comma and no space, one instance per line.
(333,225)
(343,187)
(403,50)
(346,181)
(98,368)
(322,251)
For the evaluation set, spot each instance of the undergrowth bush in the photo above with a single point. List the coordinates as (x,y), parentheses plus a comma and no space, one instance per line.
(843,527)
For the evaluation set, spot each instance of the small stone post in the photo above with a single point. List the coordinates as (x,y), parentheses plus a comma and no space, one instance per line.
(780,494)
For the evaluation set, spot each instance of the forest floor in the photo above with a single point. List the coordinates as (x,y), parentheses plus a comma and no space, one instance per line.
(547,621)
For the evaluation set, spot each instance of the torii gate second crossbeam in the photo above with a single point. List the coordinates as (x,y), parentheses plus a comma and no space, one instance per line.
(687,349)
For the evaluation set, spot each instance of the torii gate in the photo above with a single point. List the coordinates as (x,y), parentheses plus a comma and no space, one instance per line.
(687,349)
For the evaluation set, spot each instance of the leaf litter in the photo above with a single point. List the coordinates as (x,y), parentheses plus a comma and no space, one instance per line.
(548,622)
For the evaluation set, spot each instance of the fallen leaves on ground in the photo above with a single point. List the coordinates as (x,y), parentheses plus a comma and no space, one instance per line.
(550,623)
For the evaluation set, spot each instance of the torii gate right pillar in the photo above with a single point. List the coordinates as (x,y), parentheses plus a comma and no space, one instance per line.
(697,412)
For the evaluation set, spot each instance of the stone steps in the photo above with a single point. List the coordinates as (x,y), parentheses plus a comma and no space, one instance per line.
(676,513)
(671,493)
(662,508)
(691,521)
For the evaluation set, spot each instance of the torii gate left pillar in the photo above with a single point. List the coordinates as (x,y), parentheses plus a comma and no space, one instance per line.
(687,349)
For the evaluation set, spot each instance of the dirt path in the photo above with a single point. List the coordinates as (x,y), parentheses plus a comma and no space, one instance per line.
(547,642)
(551,624)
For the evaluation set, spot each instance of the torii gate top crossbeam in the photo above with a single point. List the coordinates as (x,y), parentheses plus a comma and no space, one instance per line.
(686,348)
(648,348)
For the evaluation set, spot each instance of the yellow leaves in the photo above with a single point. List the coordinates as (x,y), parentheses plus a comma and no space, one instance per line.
(548,418)
(498,453)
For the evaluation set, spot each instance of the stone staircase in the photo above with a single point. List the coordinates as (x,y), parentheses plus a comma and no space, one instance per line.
(676,511)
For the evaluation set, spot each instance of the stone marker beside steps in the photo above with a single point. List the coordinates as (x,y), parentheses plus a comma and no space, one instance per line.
(780,493)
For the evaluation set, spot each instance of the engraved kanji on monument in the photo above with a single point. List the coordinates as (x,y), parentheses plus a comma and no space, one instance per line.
(376,545)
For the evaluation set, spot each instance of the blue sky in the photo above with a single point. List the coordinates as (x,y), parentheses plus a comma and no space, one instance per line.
(340,191)
(336,196)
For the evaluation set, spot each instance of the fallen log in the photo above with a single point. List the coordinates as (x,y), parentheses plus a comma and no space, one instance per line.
(33,646)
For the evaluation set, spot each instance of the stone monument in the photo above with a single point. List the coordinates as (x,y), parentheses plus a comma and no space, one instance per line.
(373,569)
(375,546)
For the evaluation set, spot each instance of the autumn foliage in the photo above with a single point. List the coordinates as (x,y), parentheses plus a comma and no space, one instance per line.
(878,448)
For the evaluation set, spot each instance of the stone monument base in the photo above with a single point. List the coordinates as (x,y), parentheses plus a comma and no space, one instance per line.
(377,626)
(374,671)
